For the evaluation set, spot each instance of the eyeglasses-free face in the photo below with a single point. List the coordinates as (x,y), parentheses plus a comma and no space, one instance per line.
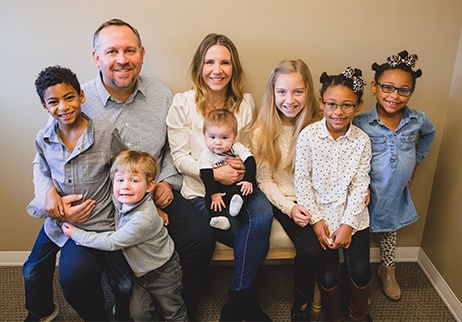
(402,91)
(346,108)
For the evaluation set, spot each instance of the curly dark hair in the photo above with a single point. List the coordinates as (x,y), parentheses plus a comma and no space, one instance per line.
(402,56)
(340,79)
(54,75)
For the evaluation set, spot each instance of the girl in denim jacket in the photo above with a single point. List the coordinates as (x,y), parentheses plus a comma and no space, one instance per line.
(401,138)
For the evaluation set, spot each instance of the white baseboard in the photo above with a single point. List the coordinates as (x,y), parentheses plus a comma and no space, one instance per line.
(13,258)
(403,254)
(446,294)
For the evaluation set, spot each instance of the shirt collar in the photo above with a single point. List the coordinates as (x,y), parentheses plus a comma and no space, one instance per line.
(140,86)
(407,115)
(324,132)
(123,208)
(51,133)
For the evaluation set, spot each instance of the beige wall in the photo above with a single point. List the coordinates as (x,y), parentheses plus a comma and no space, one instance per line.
(443,229)
(328,35)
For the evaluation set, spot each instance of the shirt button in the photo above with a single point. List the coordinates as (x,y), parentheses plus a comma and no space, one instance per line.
(129,144)
(69,181)
(126,124)
(393,155)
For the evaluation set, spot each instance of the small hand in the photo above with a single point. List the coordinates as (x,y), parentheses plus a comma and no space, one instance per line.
(246,187)
(68,229)
(368,197)
(217,201)
(300,215)
(163,215)
(322,232)
(342,237)
(412,175)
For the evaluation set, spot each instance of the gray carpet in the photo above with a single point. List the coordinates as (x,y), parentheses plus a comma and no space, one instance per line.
(420,302)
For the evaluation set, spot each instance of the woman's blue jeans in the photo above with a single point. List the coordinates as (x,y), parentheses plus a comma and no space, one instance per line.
(249,236)
(80,271)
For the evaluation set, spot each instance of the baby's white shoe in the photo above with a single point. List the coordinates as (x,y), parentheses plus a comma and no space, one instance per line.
(235,205)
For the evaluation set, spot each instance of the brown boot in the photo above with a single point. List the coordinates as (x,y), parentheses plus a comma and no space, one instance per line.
(359,301)
(389,283)
(333,303)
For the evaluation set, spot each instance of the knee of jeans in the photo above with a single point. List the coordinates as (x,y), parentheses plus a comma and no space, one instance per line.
(125,286)
(28,272)
(361,275)
(31,272)
(328,280)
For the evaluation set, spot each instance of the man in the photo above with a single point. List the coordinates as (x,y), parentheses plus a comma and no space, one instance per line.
(138,107)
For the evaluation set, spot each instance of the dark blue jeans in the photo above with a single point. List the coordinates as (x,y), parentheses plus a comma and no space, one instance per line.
(357,262)
(194,242)
(160,287)
(80,271)
(308,254)
(248,235)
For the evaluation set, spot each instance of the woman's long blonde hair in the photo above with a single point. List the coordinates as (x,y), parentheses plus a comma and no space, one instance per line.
(235,92)
(268,125)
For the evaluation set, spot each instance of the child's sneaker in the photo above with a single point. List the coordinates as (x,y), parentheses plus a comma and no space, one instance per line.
(48,318)
(235,205)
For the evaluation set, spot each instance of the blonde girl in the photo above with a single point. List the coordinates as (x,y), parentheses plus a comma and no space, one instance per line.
(289,105)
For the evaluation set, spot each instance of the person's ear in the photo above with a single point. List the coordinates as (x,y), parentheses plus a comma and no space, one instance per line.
(82,96)
(373,88)
(143,52)
(359,106)
(151,186)
(95,56)
(321,104)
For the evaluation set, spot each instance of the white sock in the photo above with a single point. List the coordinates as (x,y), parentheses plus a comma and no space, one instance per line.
(220,222)
(235,205)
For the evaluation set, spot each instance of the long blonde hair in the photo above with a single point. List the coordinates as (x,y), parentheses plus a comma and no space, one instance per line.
(235,92)
(268,125)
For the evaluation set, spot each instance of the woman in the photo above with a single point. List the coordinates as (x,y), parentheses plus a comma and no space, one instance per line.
(289,105)
(218,83)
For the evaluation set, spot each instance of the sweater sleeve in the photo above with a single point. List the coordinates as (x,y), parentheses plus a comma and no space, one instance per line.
(179,132)
(134,232)
(272,191)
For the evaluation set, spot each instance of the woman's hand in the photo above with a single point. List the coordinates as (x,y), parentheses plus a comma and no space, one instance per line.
(300,215)
(231,173)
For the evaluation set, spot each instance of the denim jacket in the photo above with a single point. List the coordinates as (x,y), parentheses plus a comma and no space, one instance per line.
(394,156)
